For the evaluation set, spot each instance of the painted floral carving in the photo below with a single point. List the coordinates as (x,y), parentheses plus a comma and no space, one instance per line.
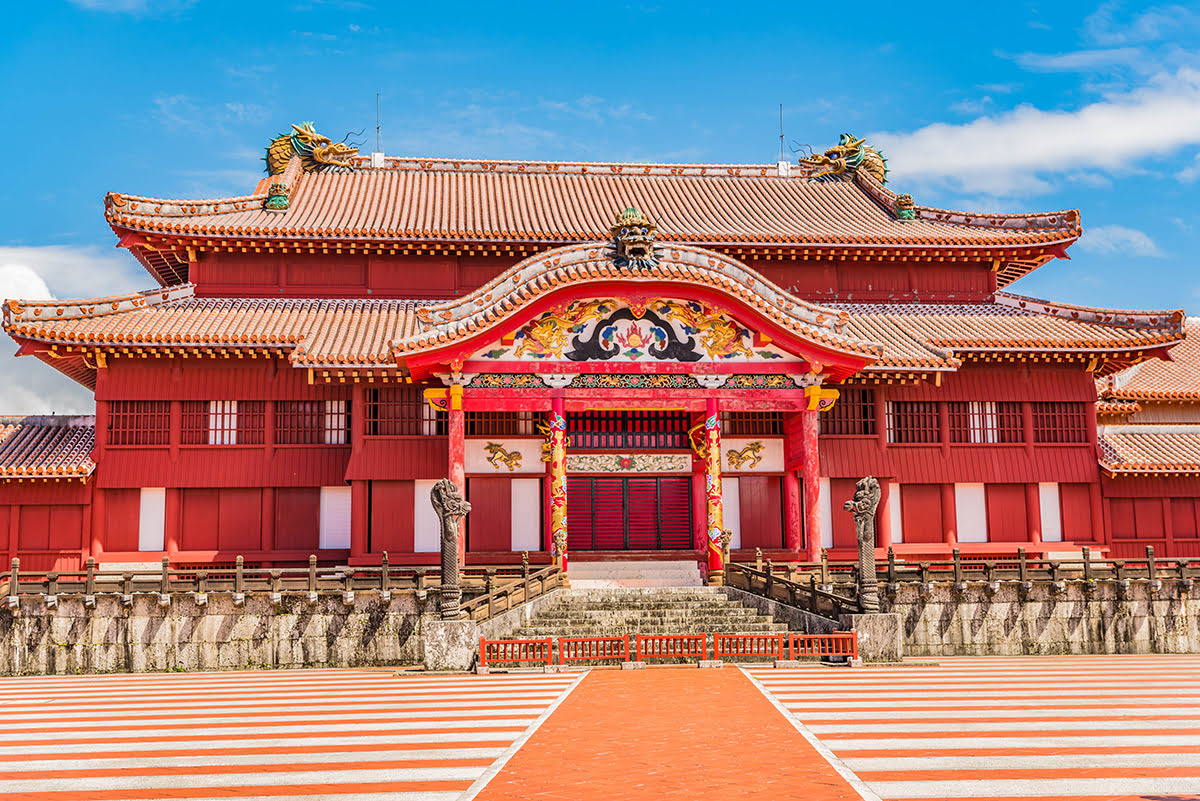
(629,463)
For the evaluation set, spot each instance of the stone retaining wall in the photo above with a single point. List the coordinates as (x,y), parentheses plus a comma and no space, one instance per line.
(218,635)
(976,618)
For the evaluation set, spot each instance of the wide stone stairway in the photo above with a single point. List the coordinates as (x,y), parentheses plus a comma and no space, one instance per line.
(615,611)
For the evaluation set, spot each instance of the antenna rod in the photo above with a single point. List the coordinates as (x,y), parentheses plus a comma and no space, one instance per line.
(378,145)
(781,132)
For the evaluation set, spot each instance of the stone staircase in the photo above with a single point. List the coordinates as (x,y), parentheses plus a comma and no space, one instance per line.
(649,573)
(614,611)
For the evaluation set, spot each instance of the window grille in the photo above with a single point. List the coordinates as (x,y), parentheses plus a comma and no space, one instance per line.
(500,424)
(139,423)
(612,430)
(853,415)
(911,422)
(752,424)
(223,422)
(312,422)
(1055,421)
(402,411)
(984,422)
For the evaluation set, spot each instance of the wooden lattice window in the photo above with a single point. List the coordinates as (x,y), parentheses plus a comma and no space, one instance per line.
(500,424)
(911,422)
(402,412)
(312,422)
(612,430)
(139,423)
(223,422)
(1060,421)
(983,422)
(752,424)
(853,415)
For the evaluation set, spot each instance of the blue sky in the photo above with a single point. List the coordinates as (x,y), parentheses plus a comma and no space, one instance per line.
(1000,107)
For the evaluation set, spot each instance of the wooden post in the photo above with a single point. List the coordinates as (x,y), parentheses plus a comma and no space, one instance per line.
(949,516)
(458,475)
(714,508)
(811,427)
(1033,513)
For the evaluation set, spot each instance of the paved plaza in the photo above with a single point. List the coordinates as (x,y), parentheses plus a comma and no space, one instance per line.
(1030,728)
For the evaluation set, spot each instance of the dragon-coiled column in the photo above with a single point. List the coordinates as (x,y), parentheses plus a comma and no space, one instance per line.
(714,509)
(557,441)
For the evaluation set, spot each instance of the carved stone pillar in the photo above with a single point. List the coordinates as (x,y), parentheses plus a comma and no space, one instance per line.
(451,508)
(863,506)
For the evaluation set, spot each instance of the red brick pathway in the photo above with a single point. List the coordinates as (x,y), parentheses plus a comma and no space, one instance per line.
(666,733)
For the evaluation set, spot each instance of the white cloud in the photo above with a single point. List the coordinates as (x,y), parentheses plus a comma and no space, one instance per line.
(1019,151)
(1117,240)
(135,7)
(1157,22)
(1084,60)
(28,386)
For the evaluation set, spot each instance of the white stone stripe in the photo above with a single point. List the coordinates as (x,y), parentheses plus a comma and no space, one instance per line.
(1075,786)
(123,732)
(948,726)
(215,778)
(83,762)
(315,739)
(1024,762)
(423,796)
(925,712)
(133,717)
(991,693)
(380,720)
(975,743)
(433,706)
(184,698)
(824,702)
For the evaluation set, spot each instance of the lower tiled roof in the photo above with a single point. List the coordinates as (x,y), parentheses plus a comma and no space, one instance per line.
(1150,449)
(48,446)
(1175,380)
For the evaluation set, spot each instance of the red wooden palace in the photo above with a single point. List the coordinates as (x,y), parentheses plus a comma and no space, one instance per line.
(607,357)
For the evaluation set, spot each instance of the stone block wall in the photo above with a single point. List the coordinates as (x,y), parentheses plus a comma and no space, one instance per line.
(38,638)
(976,618)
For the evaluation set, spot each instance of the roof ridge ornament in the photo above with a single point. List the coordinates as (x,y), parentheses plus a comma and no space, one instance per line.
(633,244)
(316,152)
(849,155)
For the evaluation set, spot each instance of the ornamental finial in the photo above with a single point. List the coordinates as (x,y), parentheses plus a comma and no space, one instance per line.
(633,238)
(849,155)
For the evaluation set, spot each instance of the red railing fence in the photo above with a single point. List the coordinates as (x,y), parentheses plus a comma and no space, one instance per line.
(579,649)
(667,646)
(839,643)
(767,646)
(494,651)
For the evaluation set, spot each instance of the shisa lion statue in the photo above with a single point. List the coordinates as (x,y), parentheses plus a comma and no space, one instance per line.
(863,506)
(451,508)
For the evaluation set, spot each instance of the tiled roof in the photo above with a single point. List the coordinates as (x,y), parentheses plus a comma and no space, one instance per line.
(482,201)
(927,335)
(1150,449)
(51,446)
(1178,379)
(316,331)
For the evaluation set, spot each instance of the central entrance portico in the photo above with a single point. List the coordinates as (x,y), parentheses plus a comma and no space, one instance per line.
(652,374)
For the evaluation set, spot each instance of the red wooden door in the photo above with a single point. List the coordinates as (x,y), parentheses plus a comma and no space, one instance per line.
(629,513)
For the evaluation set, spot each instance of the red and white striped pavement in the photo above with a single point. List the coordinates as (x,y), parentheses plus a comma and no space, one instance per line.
(314,734)
(1072,727)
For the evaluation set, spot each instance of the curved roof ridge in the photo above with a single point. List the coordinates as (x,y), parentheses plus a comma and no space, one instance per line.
(1152,318)
(24,311)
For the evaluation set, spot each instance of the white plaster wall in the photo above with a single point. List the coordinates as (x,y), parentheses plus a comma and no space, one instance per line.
(1051,513)
(826,504)
(152,518)
(335,517)
(731,502)
(970,502)
(475,456)
(526,514)
(895,512)
(771,455)
(426,528)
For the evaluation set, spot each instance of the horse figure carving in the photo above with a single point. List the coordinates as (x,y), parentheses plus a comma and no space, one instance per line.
(451,508)
(863,506)
(747,457)
(498,456)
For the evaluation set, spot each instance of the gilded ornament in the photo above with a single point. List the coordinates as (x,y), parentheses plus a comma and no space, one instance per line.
(748,457)
(315,151)
(499,456)
(849,155)
(633,240)
(906,209)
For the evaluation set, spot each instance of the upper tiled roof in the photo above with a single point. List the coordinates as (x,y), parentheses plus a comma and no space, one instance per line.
(1178,379)
(490,201)
(1150,449)
(926,335)
(47,447)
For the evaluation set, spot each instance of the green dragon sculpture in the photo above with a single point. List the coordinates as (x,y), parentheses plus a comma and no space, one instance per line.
(316,151)
(848,156)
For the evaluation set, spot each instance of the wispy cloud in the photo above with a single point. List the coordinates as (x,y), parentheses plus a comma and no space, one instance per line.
(1085,60)
(1020,151)
(134,7)
(27,386)
(1118,240)
(1105,26)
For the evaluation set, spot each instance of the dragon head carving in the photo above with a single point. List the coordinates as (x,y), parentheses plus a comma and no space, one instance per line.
(316,151)
(848,156)
(633,238)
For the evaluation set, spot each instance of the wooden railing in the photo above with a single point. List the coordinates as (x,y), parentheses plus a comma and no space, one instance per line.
(788,589)
(841,578)
(240,580)
(497,600)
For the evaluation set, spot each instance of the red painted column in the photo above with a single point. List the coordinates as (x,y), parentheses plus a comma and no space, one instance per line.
(714,507)
(173,521)
(810,428)
(99,510)
(558,480)
(458,447)
(949,516)
(792,514)
(267,541)
(1033,513)
(1101,523)
(358,518)
(883,521)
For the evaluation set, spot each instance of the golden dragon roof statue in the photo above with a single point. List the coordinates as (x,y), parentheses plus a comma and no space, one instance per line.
(848,156)
(316,151)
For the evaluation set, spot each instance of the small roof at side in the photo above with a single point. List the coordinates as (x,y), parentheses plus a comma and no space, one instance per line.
(46,446)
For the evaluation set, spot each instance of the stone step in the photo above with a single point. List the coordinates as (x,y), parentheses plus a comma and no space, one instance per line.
(617,574)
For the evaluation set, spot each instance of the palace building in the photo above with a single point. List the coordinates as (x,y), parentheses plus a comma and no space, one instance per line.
(607,358)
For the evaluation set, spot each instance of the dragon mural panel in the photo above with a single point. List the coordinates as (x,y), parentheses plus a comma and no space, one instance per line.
(615,330)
